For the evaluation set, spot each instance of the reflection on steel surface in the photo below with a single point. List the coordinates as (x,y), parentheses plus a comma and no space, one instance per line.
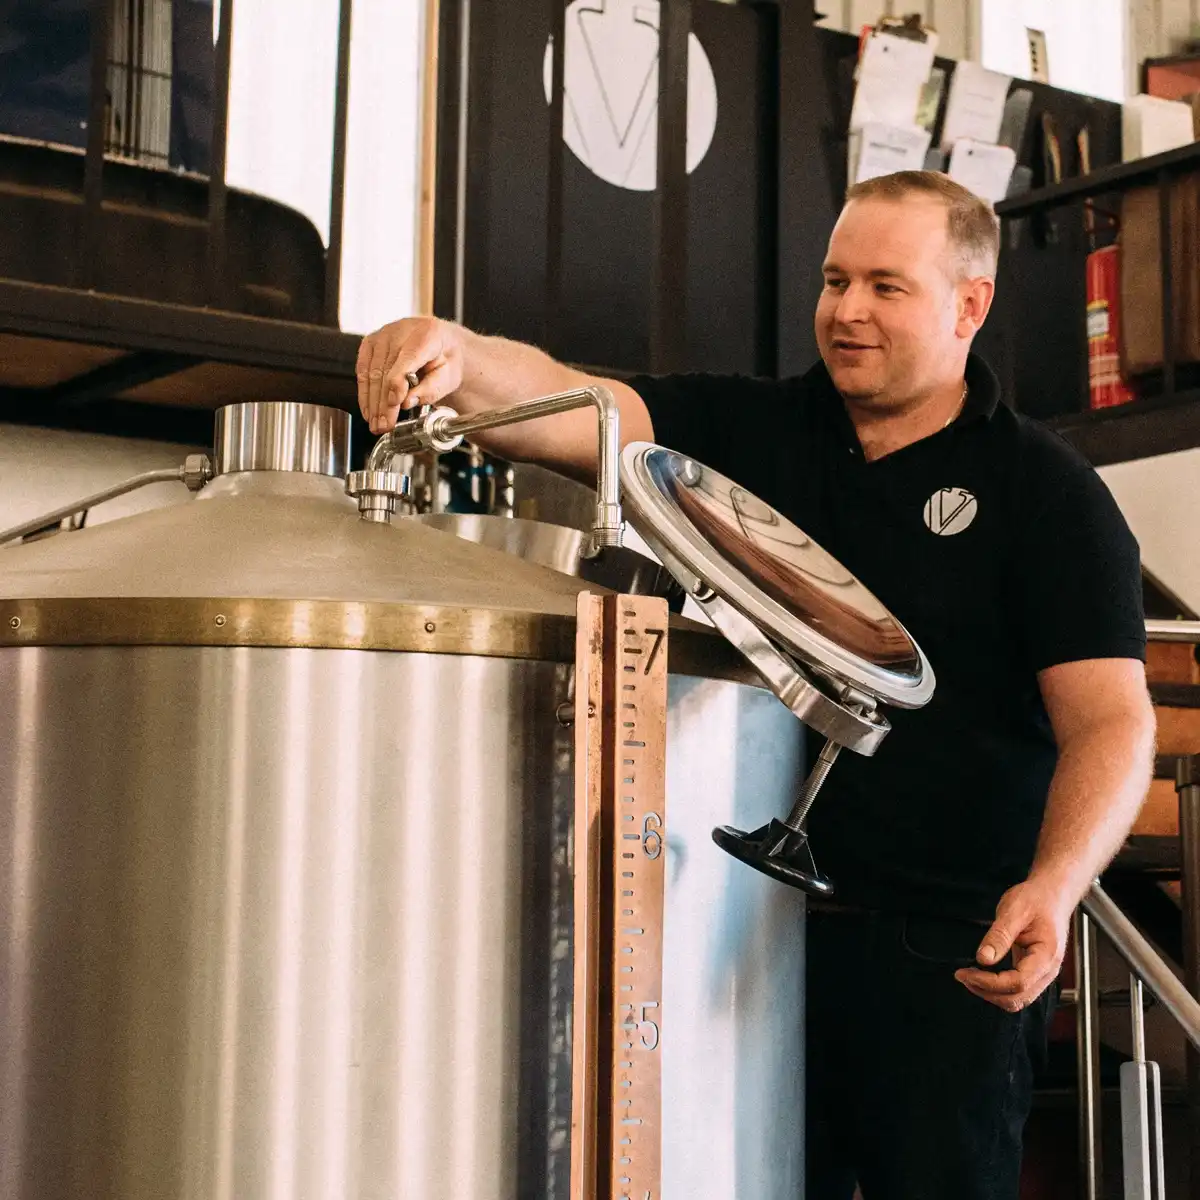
(279,435)
(259,936)
(792,569)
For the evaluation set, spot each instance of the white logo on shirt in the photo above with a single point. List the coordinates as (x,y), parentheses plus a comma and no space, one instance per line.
(950,511)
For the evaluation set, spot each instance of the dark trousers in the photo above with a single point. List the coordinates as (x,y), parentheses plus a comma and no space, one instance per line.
(916,1089)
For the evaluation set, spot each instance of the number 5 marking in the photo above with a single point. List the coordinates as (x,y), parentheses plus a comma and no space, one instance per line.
(649,1039)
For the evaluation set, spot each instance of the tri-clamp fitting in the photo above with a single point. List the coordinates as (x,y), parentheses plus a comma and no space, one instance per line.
(378,493)
(442,429)
(424,431)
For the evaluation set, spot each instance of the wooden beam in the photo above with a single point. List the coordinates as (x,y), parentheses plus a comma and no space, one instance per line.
(427,202)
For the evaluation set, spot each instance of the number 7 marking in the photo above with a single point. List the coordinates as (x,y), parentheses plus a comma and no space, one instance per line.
(658,635)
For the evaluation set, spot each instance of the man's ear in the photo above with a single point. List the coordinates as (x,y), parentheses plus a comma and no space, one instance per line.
(975,298)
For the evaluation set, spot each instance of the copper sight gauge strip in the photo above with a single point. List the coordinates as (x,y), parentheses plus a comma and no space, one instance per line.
(621,706)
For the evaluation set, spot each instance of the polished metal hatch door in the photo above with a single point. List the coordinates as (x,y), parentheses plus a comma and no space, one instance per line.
(820,640)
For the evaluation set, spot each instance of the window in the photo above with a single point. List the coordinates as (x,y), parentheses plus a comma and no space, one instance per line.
(1085,41)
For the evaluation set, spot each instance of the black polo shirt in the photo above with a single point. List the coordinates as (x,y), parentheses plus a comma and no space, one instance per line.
(1000,549)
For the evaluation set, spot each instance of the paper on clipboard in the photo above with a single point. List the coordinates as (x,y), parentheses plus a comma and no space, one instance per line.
(983,169)
(975,108)
(891,77)
(878,149)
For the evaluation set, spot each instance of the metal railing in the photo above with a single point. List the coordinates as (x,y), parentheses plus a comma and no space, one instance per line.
(1174,631)
(139,81)
(1140,1079)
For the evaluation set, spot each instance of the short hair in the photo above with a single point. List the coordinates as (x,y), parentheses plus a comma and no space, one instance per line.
(972,227)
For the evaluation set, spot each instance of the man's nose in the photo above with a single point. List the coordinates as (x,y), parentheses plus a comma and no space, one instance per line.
(853,306)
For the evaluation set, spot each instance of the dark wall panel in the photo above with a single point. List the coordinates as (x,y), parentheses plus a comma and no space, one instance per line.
(193,65)
(812,175)
(604,316)
(760,209)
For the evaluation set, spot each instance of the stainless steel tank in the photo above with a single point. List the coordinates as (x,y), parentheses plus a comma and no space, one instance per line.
(285,899)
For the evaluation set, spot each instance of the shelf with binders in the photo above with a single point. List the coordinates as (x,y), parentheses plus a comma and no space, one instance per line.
(1164,415)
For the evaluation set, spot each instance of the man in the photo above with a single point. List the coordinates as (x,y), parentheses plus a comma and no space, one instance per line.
(961,849)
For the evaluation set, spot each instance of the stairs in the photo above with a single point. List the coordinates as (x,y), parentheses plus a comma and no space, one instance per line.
(1144,881)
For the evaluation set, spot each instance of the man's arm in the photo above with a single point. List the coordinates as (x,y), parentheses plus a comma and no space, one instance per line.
(474,373)
(1104,725)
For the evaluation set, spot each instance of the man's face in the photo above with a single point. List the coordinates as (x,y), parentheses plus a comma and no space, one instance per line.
(893,321)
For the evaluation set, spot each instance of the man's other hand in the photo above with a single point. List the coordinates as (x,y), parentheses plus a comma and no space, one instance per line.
(1032,921)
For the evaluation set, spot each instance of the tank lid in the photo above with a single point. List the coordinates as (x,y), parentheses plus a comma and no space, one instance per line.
(753,569)
(275,435)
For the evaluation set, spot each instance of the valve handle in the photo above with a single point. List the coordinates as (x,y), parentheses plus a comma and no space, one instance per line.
(781,849)
(778,851)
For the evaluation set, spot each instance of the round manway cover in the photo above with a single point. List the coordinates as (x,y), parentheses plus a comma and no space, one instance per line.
(773,573)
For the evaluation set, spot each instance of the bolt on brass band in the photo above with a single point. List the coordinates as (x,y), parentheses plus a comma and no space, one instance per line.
(333,625)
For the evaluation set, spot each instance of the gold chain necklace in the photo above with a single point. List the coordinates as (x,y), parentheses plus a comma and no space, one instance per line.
(962,403)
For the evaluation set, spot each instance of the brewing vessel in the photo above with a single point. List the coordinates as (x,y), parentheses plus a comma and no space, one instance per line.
(285,855)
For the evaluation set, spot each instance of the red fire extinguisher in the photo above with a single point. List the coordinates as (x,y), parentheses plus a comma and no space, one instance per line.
(1107,386)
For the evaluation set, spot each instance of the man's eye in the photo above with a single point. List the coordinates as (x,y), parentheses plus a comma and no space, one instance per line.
(886,289)
(835,285)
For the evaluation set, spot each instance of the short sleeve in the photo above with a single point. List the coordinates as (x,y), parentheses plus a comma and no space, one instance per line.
(1078,567)
(716,419)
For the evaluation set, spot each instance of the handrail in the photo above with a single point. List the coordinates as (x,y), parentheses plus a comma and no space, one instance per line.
(1145,961)
(1174,631)
(1141,1089)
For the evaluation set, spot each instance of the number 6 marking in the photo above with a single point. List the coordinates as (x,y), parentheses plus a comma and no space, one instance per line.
(651,838)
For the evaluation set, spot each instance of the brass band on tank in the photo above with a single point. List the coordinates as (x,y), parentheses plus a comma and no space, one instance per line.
(333,625)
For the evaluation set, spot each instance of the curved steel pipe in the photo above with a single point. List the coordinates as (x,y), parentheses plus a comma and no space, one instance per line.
(439,426)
